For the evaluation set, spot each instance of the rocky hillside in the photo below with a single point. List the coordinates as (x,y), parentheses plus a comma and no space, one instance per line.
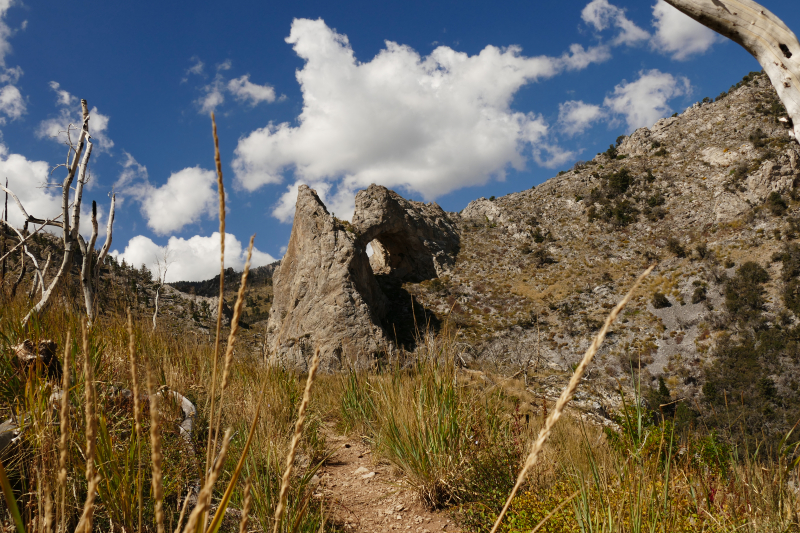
(526,279)
(709,195)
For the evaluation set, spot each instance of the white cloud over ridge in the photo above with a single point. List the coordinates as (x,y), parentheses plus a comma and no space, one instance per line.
(678,34)
(644,101)
(187,196)
(428,124)
(192,259)
(602,16)
(575,116)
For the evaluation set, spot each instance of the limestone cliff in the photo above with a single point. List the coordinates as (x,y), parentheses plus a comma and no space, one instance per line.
(326,296)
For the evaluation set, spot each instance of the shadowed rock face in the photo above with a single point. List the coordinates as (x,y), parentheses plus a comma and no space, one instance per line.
(326,293)
(326,296)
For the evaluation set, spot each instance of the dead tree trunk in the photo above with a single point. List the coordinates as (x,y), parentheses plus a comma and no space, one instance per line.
(77,166)
(90,273)
(162,265)
(762,34)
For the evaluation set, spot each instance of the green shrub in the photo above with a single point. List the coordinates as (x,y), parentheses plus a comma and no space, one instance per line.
(541,257)
(744,293)
(758,137)
(702,250)
(660,301)
(619,182)
(699,295)
(674,246)
(776,204)
(790,257)
(620,213)
(656,200)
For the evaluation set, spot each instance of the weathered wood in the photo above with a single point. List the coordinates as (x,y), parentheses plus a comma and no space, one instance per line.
(762,34)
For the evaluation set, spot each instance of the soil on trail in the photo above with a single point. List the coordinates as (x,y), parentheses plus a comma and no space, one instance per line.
(368,497)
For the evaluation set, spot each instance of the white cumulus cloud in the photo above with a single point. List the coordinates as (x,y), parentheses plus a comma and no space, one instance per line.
(602,16)
(245,90)
(576,116)
(11,103)
(644,101)
(188,195)
(198,69)
(428,124)
(679,35)
(192,259)
(242,89)
(5,31)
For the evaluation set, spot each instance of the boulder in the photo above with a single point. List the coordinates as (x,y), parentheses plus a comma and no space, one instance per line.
(41,357)
(411,241)
(773,176)
(483,209)
(326,296)
(9,431)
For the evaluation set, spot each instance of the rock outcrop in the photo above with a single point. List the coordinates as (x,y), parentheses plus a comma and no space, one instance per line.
(411,241)
(326,294)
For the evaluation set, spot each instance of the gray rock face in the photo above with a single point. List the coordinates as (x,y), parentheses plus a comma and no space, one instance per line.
(411,241)
(326,296)
(483,209)
(326,293)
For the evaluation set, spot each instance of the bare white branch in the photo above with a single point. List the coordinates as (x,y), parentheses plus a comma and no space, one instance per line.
(762,34)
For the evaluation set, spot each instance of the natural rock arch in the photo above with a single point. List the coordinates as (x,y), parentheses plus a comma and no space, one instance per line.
(327,296)
(411,241)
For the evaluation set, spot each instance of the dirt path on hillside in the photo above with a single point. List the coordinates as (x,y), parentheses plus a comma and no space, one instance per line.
(367,497)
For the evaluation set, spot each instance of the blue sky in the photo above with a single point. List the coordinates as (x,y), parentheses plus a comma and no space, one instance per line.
(442,101)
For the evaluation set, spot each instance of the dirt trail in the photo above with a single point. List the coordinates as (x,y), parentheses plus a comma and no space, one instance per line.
(369,498)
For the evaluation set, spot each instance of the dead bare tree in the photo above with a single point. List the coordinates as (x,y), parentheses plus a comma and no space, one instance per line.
(162,265)
(762,34)
(77,165)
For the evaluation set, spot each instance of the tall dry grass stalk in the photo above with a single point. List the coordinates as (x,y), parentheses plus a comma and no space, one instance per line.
(48,507)
(93,479)
(155,454)
(212,445)
(137,413)
(226,498)
(85,523)
(204,499)
(298,433)
(183,510)
(237,313)
(566,396)
(63,445)
(246,508)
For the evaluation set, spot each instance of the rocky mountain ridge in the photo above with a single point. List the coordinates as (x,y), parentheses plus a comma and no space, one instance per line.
(708,194)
